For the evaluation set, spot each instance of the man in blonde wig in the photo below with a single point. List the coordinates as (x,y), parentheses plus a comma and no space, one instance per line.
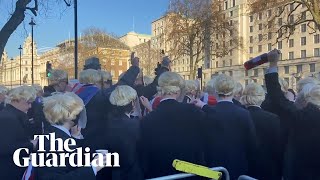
(177,128)
(14,130)
(302,157)
(229,130)
(58,82)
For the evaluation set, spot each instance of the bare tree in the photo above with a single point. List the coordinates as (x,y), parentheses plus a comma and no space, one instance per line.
(149,57)
(190,22)
(282,17)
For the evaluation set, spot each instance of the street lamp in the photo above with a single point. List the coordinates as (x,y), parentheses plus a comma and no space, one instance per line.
(11,73)
(32,23)
(20,48)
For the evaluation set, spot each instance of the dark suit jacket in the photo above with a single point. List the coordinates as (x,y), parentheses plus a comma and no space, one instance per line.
(1,106)
(62,173)
(172,131)
(121,136)
(302,156)
(14,135)
(230,138)
(269,147)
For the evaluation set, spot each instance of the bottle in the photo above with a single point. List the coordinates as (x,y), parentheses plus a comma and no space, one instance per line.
(257,61)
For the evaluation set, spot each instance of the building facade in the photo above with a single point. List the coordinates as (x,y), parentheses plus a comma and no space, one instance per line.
(132,39)
(11,67)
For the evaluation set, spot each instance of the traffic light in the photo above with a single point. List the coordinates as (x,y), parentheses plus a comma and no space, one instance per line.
(200,72)
(48,69)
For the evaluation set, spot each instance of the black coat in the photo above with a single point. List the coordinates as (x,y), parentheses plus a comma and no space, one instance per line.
(267,127)
(121,136)
(302,156)
(172,131)
(62,173)
(230,138)
(14,135)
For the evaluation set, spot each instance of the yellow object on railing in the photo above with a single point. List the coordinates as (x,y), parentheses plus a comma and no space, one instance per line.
(196,169)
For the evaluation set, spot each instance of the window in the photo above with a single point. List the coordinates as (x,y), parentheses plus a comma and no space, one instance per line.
(112,73)
(303,53)
(280,21)
(291,55)
(231,13)
(251,28)
(291,7)
(26,62)
(291,19)
(291,42)
(226,5)
(260,26)
(256,72)
(316,52)
(280,33)
(120,63)
(217,64)
(260,48)
(255,80)
(286,69)
(280,45)
(269,46)
(230,63)
(112,62)
(269,13)
(269,24)
(260,16)
(260,37)
(303,41)
(224,63)
(269,35)
(231,22)
(251,18)
(250,50)
(304,15)
(303,27)
(312,67)
(316,39)
(26,69)
(233,3)
(230,52)
(299,68)
(251,39)
(280,56)
(230,73)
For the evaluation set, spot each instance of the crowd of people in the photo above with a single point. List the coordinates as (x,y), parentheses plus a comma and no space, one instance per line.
(268,133)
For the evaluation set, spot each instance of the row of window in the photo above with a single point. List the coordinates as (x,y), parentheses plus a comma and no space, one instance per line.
(303,53)
(312,68)
(113,62)
(303,40)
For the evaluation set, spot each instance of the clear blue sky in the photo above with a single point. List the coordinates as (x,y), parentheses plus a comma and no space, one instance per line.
(115,16)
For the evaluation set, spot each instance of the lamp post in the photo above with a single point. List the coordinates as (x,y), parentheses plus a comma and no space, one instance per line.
(32,23)
(76,39)
(11,73)
(20,48)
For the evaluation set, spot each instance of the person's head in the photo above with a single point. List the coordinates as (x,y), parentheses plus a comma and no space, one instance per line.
(166,62)
(147,80)
(21,97)
(90,76)
(191,88)
(308,80)
(284,85)
(59,80)
(210,87)
(92,63)
(253,94)
(122,98)
(238,91)
(38,89)
(62,109)
(224,86)
(170,84)
(291,95)
(310,93)
(3,92)
(106,79)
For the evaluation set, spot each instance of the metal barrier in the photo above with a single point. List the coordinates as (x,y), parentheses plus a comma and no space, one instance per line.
(185,175)
(245,177)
